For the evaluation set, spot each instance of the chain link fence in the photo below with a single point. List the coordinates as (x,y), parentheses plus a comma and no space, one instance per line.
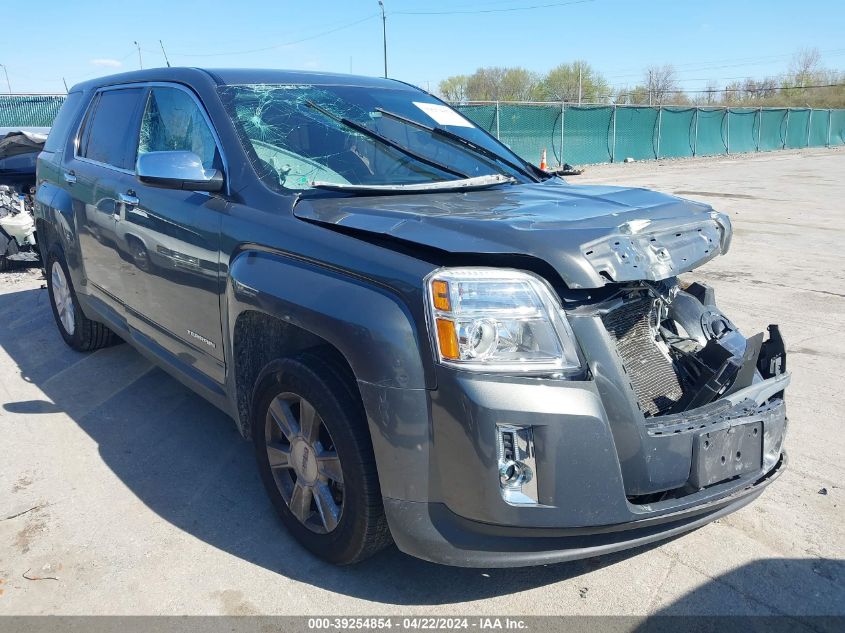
(29,110)
(585,134)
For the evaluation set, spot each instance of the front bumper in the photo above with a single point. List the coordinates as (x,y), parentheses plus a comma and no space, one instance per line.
(432,532)
(436,453)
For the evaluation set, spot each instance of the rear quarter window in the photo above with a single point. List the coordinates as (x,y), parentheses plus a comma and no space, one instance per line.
(64,119)
(111,130)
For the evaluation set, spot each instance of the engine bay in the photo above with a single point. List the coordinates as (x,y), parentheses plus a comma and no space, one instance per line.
(680,351)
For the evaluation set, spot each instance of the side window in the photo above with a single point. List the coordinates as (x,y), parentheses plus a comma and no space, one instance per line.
(110,134)
(173,121)
(67,114)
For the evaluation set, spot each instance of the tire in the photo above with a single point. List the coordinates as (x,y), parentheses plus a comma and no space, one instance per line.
(140,255)
(79,332)
(359,529)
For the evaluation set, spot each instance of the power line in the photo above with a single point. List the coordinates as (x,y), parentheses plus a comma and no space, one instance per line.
(834,53)
(766,89)
(280,45)
(630,93)
(756,78)
(504,10)
(734,62)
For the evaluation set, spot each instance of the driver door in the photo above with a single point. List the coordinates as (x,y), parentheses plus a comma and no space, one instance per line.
(170,239)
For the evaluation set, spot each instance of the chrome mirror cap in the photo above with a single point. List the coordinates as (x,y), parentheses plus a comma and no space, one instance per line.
(177,170)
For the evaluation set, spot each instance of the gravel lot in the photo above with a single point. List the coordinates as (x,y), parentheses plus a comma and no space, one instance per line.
(121,492)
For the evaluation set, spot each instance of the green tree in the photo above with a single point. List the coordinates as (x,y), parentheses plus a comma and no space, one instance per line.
(519,84)
(454,88)
(495,83)
(485,84)
(561,84)
(638,95)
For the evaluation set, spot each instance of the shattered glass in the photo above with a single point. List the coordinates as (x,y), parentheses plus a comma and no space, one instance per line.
(292,144)
(172,121)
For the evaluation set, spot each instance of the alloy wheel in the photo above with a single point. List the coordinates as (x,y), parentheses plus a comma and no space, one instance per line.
(304,462)
(62,297)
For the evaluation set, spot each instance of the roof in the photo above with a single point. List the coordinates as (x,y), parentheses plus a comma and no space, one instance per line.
(228,76)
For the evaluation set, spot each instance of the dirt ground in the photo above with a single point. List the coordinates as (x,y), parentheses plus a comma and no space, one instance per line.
(121,492)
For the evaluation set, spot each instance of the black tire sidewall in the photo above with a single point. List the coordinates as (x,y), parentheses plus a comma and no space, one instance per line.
(73,340)
(343,544)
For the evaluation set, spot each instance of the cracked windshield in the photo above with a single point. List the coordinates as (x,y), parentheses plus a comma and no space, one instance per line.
(299,135)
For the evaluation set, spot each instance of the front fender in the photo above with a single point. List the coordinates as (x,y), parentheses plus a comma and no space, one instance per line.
(370,326)
(374,331)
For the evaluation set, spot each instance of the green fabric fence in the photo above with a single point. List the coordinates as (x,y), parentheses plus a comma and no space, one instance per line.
(29,110)
(592,133)
(598,134)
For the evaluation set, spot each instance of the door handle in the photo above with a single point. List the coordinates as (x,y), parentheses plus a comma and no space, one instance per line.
(70,177)
(128,199)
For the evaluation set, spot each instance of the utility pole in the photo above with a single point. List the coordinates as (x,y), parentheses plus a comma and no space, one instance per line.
(164,52)
(9,85)
(579,84)
(384,34)
(650,85)
(140,61)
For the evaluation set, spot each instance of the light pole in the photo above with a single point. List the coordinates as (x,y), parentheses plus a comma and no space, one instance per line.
(384,34)
(579,83)
(164,52)
(6,72)
(140,62)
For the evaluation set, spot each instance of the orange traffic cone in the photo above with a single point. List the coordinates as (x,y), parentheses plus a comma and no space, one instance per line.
(543,165)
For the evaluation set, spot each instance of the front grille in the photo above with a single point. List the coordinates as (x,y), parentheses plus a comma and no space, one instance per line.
(651,373)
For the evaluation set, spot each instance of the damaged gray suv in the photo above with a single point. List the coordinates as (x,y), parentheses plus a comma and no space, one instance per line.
(428,340)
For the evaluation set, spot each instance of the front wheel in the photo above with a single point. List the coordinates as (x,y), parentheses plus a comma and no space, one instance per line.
(316,460)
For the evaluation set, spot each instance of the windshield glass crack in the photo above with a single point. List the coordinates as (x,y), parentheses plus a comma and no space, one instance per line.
(296,135)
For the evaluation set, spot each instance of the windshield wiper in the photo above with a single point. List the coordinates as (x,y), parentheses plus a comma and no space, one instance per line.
(464,184)
(458,139)
(384,140)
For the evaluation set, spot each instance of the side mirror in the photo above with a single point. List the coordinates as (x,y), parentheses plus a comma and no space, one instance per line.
(177,170)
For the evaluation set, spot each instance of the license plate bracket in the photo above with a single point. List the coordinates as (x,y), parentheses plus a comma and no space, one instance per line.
(726,452)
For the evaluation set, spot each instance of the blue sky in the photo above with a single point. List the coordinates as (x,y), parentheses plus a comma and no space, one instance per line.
(715,40)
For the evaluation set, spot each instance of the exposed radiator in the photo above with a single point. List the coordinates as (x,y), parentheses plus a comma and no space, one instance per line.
(651,373)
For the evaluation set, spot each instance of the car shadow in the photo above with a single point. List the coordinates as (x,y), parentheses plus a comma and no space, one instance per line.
(184,459)
(792,595)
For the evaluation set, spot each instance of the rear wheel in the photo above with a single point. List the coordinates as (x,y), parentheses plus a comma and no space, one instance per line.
(316,460)
(79,332)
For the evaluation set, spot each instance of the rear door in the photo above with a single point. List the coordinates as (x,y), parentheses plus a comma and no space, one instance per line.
(95,175)
(169,238)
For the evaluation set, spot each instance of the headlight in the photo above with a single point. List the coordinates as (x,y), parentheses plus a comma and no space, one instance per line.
(499,320)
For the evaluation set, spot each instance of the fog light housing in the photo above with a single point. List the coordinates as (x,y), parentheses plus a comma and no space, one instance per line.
(517,464)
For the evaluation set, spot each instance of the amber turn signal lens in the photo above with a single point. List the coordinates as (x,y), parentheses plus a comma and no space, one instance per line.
(440,292)
(448,339)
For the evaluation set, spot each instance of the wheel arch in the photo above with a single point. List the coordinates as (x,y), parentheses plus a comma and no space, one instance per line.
(259,341)
(279,306)
(55,226)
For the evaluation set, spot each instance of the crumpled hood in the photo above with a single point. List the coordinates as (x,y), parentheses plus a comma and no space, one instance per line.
(591,235)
